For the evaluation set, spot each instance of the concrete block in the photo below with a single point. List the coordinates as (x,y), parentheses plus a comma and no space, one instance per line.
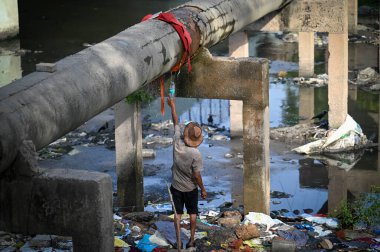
(46,67)
(61,202)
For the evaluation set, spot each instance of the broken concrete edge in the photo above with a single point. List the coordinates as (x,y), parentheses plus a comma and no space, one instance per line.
(66,202)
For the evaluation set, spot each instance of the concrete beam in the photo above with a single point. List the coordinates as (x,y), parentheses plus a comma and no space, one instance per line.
(9,26)
(304,16)
(222,77)
(61,202)
(129,161)
(243,79)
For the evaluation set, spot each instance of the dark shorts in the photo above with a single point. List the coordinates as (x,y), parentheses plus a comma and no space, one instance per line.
(189,199)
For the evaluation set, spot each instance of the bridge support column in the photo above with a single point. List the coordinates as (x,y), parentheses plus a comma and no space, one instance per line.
(65,202)
(306,53)
(129,166)
(338,78)
(244,79)
(9,19)
(238,47)
(352,16)
(256,191)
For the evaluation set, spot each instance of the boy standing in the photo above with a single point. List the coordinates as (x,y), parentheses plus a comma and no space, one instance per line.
(186,171)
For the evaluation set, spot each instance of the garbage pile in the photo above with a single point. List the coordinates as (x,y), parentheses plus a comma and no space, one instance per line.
(348,137)
(367,78)
(229,230)
(217,230)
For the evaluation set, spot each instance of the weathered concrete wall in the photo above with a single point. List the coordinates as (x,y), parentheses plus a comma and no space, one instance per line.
(8,19)
(42,107)
(61,202)
(305,16)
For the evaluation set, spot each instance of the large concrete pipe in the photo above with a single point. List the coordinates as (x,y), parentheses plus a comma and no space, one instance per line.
(44,106)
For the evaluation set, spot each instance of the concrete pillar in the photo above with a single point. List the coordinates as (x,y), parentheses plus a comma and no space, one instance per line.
(338,78)
(306,104)
(64,202)
(306,53)
(238,46)
(10,63)
(8,19)
(256,189)
(129,166)
(352,16)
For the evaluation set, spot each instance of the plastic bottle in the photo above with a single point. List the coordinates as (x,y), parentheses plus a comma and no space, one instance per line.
(172,89)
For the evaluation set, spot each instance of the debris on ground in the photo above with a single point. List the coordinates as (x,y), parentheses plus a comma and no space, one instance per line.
(154,231)
(348,137)
(367,76)
(319,81)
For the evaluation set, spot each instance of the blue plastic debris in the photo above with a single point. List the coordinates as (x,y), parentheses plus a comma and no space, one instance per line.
(145,245)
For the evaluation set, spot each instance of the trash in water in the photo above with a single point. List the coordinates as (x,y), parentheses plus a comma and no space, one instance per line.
(349,136)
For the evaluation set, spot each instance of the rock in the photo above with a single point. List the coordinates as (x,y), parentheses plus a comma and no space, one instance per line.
(247,232)
(233,213)
(139,216)
(229,222)
(326,244)
(367,76)
(375,87)
(228,155)
(209,157)
(148,153)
